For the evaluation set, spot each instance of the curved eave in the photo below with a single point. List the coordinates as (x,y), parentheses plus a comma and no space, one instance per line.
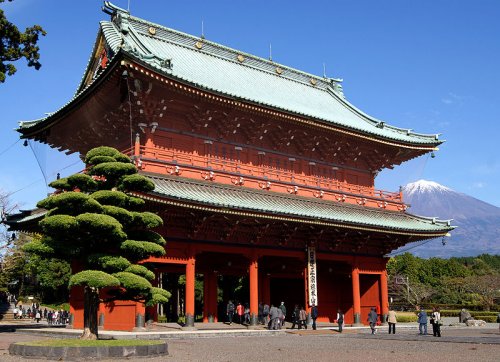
(30,129)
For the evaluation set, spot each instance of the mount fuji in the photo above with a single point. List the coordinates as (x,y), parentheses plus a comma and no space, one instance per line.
(478,223)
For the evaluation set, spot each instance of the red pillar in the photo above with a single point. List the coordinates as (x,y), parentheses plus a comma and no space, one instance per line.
(384,295)
(190,279)
(356,296)
(254,290)
(210,297)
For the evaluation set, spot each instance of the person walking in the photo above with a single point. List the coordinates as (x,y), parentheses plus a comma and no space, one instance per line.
(302,318)
(265,313)
(314,315)
(436,322)
(230,312)
(391,320)
(296,317)
(273,317)
(372,320)
(240,311)
(340,319)
(422,321)
(260,313)
(283,309)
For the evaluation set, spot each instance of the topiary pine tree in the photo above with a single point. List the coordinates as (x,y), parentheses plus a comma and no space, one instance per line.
(93,221)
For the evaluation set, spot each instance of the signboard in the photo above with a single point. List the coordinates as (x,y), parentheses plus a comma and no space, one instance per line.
(312,278)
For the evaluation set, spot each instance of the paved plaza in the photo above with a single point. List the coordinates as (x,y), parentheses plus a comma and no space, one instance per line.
(355,344)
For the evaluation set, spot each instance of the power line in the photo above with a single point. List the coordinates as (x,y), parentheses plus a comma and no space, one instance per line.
(8,148)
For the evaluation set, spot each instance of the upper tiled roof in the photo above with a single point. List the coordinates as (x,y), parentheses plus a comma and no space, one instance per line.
(230,72)
(238,199)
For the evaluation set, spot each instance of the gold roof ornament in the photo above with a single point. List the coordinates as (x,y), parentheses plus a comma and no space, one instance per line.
(279,70)
(314,81)
(240,58)
(198,45)
(152,30)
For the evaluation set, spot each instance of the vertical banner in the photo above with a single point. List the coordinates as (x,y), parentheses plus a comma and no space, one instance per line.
(311,275)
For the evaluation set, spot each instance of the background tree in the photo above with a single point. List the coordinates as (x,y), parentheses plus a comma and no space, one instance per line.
(94,222)
(15,45)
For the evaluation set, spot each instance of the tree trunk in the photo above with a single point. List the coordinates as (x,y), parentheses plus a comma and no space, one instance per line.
(90,309)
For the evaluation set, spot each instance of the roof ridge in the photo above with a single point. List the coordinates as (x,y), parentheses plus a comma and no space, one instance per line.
(302,77)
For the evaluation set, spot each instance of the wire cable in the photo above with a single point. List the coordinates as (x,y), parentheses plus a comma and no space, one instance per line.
(8,148)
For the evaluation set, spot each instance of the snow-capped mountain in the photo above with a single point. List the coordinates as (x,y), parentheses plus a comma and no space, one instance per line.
(478,223)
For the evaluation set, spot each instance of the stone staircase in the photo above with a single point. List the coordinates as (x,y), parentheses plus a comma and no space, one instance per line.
(6,312)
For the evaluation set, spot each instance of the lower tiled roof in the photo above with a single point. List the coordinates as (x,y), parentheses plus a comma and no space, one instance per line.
(230,198)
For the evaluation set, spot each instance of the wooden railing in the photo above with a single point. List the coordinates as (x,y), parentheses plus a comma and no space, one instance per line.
(169,161)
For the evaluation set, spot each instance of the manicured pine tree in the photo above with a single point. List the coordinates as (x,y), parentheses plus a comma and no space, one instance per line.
(94,221)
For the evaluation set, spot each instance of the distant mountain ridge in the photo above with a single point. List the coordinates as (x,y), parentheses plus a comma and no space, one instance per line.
(478,223)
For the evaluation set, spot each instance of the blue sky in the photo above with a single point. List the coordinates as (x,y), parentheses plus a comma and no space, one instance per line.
(433,66)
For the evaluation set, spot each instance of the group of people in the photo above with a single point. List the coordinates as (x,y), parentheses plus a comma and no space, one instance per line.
(423,319)
(435,320)
(272,316)
(35,312)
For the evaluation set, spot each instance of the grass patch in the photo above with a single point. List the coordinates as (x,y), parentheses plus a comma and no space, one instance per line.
(86,343)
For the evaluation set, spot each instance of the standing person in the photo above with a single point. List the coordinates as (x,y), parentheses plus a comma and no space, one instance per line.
(296,317)
(422,321)
(265,313)
(372,319)
(498,321)
(230,312)
(283,309)
(436,322)
(279,320)
(391,320)
(240,310)
(247,313)
(340,319)
(273,316)
(302,318)
(314,315)
(261,313)
(37,316)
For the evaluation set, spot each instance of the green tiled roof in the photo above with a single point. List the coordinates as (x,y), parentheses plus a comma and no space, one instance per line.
(217,68)
(228,197)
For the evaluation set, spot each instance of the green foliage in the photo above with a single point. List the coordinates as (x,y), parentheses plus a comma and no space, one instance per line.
(406,317)
(100,159)
(71,203)
(62,226)
(96,230)
(38,248)
(113,198)
(94,278)
(82,181)
(135,203)
(133,282)
(124,216)
(16,45)
(147,235)
(136,183)
(141,249)
(101,227)
(457,281)
(101,151)
(141,271)
(158,295)
(147,220)
(61,184)
(113,170)
(111,264)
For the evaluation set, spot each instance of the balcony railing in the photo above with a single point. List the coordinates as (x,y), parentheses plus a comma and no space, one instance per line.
(170,161)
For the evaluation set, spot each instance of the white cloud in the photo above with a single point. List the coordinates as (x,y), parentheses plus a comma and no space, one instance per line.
(479,185)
